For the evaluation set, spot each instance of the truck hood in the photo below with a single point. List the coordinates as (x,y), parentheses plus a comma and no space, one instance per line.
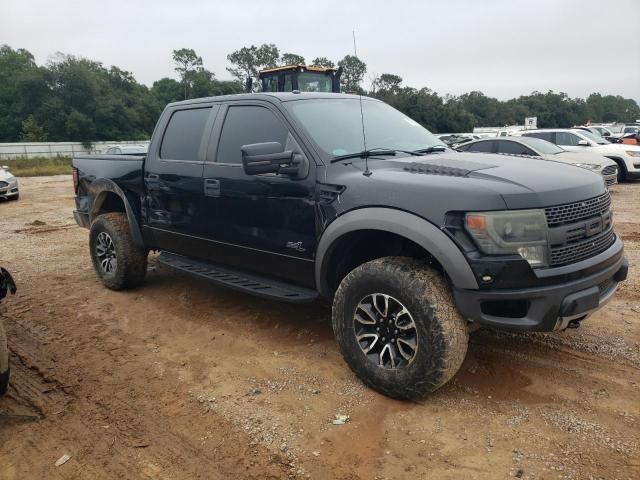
(433,184)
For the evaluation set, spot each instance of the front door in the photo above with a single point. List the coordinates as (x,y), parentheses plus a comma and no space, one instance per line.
(263,223)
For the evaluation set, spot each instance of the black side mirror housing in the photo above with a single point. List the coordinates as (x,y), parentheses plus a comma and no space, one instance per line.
(267,157)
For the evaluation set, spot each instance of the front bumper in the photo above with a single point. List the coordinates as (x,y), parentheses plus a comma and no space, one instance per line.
(9,191)
(544,308)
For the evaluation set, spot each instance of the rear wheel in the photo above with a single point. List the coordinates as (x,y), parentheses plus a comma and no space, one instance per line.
(398,328)
(117,260)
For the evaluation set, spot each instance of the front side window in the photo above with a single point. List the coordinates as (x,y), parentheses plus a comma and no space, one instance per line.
(594,138)
(183,135)
(336,125)
(568,139)
(247,124)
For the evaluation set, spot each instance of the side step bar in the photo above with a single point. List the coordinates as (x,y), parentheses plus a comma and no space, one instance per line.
(248,283)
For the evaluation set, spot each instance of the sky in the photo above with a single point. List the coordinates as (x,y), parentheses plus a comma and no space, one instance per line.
(504,48)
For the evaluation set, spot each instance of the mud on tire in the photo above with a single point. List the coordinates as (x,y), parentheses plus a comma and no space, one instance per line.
(441,335)
(117,260)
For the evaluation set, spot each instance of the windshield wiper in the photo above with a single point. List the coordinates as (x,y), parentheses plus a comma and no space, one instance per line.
(375,151)
(431,149)
(364,154)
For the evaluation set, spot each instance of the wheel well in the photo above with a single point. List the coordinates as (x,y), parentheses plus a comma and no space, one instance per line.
(620,163)
(355,248)
(108,202)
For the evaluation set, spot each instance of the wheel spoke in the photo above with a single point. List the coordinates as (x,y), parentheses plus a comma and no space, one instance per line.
(364,336)
(366,309)
(390,351)
(376,305)
(409,352)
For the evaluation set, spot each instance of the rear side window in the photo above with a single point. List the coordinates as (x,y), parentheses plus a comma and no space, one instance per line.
(513,148)
(244,125)
(548,136)
(486,147)
(183,135)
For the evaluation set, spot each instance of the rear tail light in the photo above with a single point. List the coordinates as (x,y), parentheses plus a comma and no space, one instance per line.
(75,180)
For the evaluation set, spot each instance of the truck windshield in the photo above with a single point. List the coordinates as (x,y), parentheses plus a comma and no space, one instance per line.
(336,126)
(315,82)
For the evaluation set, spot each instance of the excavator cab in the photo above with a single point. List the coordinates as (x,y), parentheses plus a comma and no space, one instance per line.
(303,78)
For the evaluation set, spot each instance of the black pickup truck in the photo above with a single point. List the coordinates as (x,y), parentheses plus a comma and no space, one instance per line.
(276,195)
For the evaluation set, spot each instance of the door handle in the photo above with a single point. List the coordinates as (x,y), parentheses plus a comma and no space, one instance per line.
(211,187)
(153,176)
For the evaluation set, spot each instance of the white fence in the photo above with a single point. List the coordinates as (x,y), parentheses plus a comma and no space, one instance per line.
(10,151)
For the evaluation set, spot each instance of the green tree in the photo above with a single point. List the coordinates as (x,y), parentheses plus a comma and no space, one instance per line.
(249,60)
(323,62)
(187,64)
(291,59)
(353,70)
(32,131)
(387,83)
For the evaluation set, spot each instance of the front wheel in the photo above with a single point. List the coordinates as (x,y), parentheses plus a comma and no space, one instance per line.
(117,260)
(398,327)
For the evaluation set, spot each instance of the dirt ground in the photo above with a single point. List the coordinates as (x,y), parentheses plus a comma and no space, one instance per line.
(181,379)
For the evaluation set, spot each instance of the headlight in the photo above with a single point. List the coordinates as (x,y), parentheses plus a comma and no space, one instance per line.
(633,153)
(588,166)
(519,232)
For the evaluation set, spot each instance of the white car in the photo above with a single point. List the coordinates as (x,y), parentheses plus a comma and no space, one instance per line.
(575,140)
(8,184)
(537,148)
(128,149)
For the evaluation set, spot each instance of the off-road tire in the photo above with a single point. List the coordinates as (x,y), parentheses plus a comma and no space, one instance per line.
(4,361)
(131,260)
(442,335)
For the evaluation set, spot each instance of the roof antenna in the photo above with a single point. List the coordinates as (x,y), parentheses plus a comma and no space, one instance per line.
(367,172)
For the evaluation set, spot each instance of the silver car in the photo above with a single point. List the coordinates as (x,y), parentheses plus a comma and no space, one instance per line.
(8,184)
(538,148)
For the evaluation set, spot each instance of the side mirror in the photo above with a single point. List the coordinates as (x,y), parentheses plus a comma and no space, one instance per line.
(267,157)
(583,143)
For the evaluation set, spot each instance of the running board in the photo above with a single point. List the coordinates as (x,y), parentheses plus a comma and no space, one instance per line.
(248,283)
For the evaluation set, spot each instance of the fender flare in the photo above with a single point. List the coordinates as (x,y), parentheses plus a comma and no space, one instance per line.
(407,225)
(97,196)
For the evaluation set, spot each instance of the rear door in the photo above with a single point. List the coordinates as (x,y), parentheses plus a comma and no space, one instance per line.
(173,178)
(262,223)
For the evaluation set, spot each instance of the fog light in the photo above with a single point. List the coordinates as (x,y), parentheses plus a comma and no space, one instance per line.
(533,255)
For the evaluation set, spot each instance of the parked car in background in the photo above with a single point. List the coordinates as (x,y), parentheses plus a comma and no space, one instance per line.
(451,139)
(542,149)
(600,132)
(6,285)
(573,139)
(8,184)
(126,150)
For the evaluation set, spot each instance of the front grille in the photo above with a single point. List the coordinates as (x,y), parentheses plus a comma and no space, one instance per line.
(575,252)
(574,212)
(3,184)
(610,170)
(612,181)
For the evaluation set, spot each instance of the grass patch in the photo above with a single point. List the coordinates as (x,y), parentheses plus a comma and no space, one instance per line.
(37,167)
